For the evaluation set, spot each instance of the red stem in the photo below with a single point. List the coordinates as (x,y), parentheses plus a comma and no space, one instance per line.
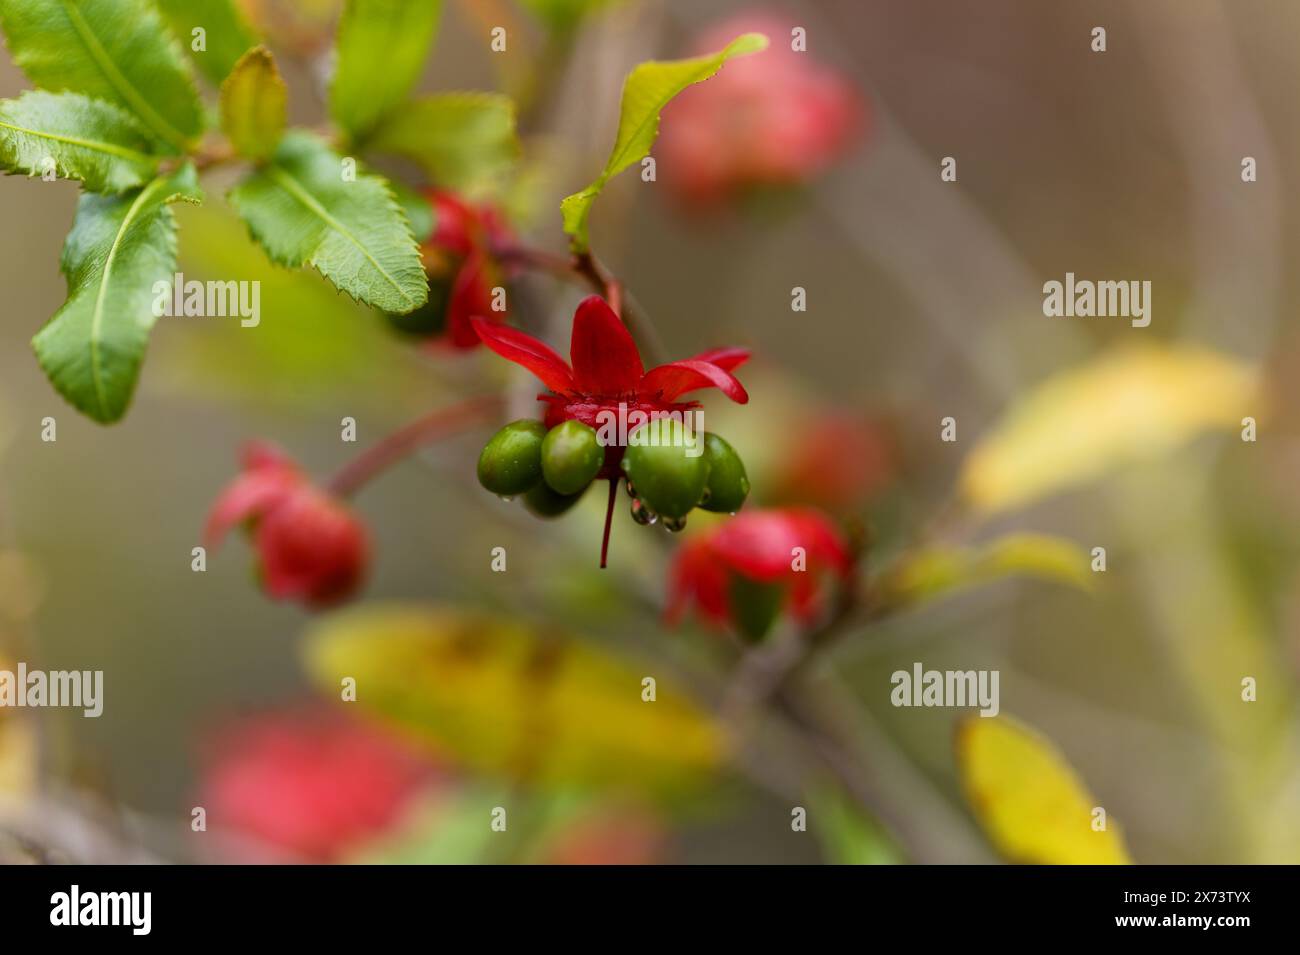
(434,426)
(609,520)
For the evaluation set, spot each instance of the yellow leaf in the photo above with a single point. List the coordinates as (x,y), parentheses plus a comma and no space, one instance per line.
(1030,801)
(1132,404)
(505,698)
(18,753)
(943,570)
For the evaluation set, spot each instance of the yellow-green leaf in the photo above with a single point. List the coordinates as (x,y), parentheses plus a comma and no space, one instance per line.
(460,139)
(381,49)
(505,698)
(647,90)
(1134,403)
(1030,801)
(943,570)
(225,37)
(254,104)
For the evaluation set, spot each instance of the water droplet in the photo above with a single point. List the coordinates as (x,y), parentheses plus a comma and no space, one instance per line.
(642,514)
(675,525)
(506,497)
(631,491)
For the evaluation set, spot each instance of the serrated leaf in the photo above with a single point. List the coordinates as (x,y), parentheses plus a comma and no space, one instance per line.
(77,138)
(226,35)
(116,50)
(1132,404)
(254,104)
(119,247)
(1029,800)
(944,570)
(648,89)
(518,702)
(381,49)
(460,139)
(304,212)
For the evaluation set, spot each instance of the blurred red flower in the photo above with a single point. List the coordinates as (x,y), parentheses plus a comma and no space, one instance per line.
(310,547)
(778,119)
(836,461)
(459,258)
(607,368)
(609,837)
(744,573)
(311,781)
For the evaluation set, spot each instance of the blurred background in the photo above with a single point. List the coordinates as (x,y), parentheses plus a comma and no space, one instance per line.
(924,301)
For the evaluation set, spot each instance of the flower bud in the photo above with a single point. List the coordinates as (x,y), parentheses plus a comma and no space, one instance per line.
(667,479)
(728,485)
(571,457)
(511,462)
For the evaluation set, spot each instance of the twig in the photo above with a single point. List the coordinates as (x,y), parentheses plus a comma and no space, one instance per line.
(432,427)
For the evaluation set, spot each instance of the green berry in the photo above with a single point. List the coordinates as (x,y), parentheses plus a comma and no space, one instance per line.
(666,478)
(728,484)
(571,457)
(543,502)
(511,463)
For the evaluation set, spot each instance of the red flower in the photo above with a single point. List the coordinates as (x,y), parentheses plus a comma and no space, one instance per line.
(837,460)
(311,547)
(310,781)
(787,553)
(607,370)
(459,255)
(773,120)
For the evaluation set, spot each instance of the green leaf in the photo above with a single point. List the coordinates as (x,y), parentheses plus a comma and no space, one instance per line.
(941,571)
(847,835)
(417,209)
(83,138)
(528,704)
(460,139)
(381,48)
(1029,799)
(116,50)
(648,89)
(303,211)
(119,247)
(562,16)
(226,36)
(254,101)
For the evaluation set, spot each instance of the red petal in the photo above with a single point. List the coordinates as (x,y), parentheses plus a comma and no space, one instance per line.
(538,357)
(251,494)
(697,577)
(470,296)
(676,378)
(725,358)
(605,358)
(760,544)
